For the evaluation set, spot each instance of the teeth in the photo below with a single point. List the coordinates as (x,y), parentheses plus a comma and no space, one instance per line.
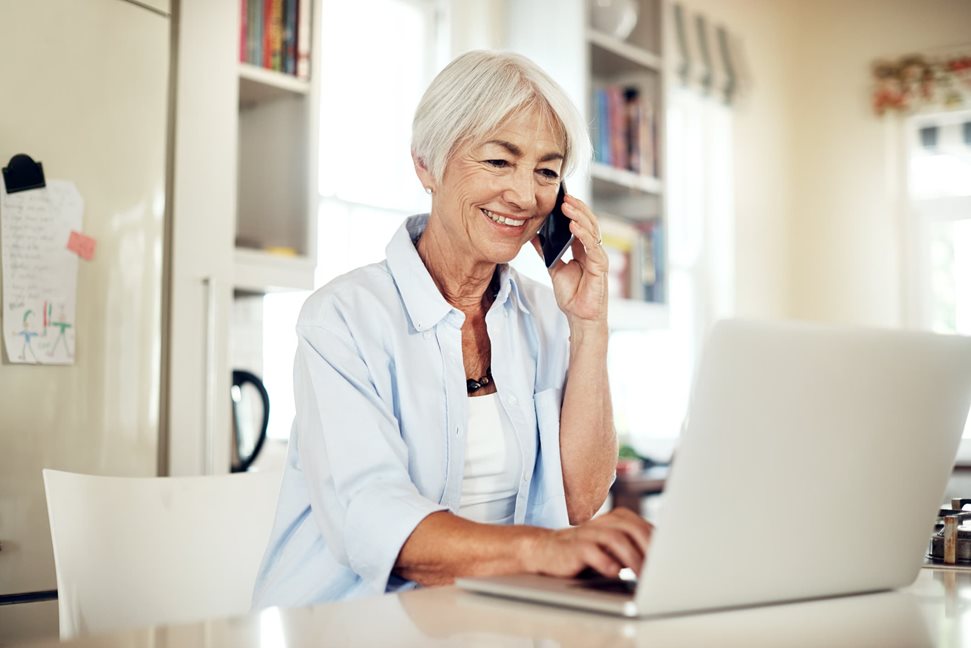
(503,220)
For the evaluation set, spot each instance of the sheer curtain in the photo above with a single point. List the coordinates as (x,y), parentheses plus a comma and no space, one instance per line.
(651,371)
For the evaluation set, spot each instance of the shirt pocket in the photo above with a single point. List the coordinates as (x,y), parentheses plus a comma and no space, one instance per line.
(547,491)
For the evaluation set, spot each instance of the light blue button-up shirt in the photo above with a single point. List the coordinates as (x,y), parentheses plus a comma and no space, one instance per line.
(378,442)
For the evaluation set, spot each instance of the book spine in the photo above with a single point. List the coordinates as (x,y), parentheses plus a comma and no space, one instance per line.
(257,32)
(618,145)
(646,288)
(243,31)
(632,118)
(598,125)
(659,261)
(250,31)
(303,39)
(645,138)
(267,60)
(276,35)
(290,37)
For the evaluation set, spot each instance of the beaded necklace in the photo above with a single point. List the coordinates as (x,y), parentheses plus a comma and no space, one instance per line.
(475,384)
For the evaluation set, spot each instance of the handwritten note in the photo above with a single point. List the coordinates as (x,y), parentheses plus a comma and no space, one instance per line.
(39,272)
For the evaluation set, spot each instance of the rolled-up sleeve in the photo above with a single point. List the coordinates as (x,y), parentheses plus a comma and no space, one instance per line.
(362,497)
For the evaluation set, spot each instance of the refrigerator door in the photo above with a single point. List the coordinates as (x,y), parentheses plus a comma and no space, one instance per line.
(84,89)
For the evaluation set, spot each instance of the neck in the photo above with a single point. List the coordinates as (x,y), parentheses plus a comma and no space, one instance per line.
(463,282)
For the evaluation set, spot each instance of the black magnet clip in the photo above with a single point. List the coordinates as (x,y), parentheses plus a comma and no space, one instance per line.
(23,174)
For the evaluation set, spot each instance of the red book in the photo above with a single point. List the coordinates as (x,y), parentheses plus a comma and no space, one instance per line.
(618,127)
(267,61)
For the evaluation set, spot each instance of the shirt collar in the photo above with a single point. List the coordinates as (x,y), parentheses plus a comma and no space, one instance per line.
(510,291)
(423,301)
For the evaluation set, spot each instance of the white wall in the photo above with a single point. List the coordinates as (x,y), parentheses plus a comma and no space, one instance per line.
(817,227)
(845,230)
(763,139)
(475,24)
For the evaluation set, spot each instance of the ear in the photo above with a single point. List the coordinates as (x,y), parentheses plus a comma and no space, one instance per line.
(424,175)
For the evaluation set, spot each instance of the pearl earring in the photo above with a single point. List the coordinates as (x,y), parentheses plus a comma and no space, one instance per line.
(428,190)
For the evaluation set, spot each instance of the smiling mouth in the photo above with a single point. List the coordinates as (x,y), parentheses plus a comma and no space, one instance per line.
(503,220)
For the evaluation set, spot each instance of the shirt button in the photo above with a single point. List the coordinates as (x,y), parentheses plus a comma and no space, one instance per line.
(427,334)
(457,430)
(512,400)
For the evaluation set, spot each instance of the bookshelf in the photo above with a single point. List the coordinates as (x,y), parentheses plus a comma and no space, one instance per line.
(625,190)
(276,194)
(625,107)
(258,85)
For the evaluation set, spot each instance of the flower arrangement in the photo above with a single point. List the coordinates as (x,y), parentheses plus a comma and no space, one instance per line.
(915,82)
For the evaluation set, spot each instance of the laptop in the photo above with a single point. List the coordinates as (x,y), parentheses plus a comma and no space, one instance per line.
(812,464)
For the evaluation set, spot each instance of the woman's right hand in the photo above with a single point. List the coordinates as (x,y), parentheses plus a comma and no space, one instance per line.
(606,543)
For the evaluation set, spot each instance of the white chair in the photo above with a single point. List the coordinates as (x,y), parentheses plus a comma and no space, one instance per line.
(133,552)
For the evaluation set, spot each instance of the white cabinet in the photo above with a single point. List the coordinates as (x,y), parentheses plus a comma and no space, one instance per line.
(275,235)
(243,208)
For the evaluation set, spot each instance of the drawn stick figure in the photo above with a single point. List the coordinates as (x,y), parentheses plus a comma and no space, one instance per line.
(27,334)
(63,326)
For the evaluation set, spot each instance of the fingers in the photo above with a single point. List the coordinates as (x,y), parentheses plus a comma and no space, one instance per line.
(621,547)
(583,224)
(593,555)
(607,544)
(623,535)
(639,529)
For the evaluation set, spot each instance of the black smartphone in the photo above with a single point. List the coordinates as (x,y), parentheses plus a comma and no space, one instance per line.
(554,235)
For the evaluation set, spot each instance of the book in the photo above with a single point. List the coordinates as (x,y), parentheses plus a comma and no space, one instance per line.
(619,242)
(276,35)
(258,14)
(649,281)
(243,31)
(303,39)
(616,126)
(290,36)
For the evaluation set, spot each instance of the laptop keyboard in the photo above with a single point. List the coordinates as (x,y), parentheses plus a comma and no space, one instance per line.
(590,579)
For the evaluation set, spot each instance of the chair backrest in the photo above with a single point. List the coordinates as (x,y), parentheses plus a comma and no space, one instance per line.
(133,552)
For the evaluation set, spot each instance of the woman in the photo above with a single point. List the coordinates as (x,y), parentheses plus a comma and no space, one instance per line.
(452,416)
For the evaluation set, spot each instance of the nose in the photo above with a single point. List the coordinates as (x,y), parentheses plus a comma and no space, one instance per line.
(521,190)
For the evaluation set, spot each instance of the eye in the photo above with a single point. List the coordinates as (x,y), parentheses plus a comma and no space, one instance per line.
(549,174)
(499,164)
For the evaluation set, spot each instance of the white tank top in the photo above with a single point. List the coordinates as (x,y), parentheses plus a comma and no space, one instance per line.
(493,464)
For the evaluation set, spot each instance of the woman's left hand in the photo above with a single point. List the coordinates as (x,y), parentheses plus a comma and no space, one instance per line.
(580,286)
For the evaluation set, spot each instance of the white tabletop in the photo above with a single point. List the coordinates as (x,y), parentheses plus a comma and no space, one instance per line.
(934,611)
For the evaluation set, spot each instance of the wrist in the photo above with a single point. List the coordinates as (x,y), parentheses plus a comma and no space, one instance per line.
(530,549)
(585,331)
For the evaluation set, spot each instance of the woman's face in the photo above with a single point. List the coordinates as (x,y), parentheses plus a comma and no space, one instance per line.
(496,192)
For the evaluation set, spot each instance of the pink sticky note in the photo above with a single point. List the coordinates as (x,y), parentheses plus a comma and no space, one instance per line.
(82,245)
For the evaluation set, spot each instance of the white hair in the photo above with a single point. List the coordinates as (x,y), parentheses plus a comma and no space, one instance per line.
(479,90)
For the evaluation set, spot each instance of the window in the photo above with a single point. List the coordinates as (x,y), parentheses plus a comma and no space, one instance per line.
(651,371)
(366,183)
(939,188)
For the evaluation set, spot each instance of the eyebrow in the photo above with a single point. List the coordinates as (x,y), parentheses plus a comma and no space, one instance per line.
(518,152)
